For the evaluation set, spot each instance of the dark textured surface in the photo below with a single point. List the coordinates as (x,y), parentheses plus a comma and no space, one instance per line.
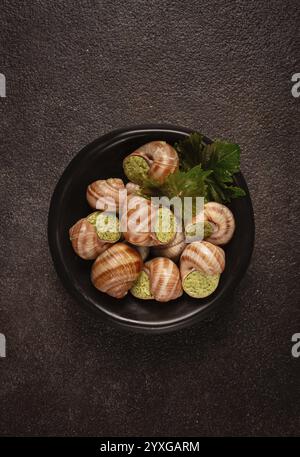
(76,70)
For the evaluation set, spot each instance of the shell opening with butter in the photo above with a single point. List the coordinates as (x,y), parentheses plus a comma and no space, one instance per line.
(156,160)
(201,264)
(159,280)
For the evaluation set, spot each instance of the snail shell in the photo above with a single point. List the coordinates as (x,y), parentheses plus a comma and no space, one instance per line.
(139,224)
(104,194)
(201,264)
(222,221)
(171,250)
(202,256)
(115,270)
(161,158)
(162,281)
(85,240)
(195,228)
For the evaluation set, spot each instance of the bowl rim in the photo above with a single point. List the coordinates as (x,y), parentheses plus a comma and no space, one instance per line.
(180,323)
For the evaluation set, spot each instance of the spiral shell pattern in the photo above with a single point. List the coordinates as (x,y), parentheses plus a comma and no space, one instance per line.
(85,240)
(164,276)
(138,222)
(202,256)
(161,157)
(116,269)
(104,194)
(171,250)
(222,221)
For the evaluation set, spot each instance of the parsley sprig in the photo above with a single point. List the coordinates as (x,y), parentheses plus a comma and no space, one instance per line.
(205,170)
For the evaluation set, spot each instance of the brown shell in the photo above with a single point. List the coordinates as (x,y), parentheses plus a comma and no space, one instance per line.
(222,221)
(202,256)
(161,157)
(116,269)
(104,194)
(138,221)
(164,276)
(85,240)
(171,250)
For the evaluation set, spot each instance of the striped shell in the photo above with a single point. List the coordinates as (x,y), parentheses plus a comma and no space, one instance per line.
(171,250)
(104,194)
(138,221)
(85,240)
(164,276)
(161,157)
(202,256)
(116,269)
(222,221)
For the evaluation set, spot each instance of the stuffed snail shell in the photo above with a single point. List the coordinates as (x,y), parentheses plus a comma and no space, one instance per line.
(198,228)
(156,160)
(159,280)
(222,222)
(107,226)
(201,264)
(85,240)
(144,224)
(214,224)
(171,250)
(104,194)
(92,235)
(115,270)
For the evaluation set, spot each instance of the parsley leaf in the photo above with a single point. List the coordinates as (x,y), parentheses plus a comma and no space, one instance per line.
(190,183)
(190,151)
(220,159)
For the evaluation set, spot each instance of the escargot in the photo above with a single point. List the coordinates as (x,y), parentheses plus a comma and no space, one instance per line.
(144,224)
(198,228)
(106,224)
(103,194)
(156,160)
(201,264)
(115,270)
(159,280)
(222,222)
(171,250)
(214,224)
(85,240)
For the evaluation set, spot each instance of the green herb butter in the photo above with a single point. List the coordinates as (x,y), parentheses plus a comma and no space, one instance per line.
(199,285)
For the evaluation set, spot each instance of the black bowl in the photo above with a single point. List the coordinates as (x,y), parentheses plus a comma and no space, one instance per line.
(103,159)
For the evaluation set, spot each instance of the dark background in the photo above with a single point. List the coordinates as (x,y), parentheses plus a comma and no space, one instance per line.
(76,70)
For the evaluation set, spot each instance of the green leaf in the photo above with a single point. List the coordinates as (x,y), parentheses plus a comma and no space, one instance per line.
(190,183)
(223,158)
(186,184)
(220,159)
(190,151)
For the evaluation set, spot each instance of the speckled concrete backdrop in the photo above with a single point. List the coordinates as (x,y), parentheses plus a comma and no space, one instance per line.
(76,70)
